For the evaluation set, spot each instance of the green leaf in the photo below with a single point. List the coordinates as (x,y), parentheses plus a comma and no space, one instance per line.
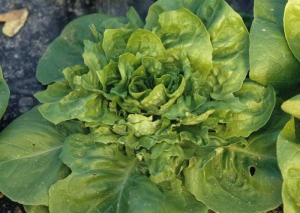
(260,102)
(115,41)
(66,50)
(229,38)
(178,34)
(134,18)
(4,94)
(288,152)
(104,179)
(172,189)
(145,43)
(79,104)
(239,178)
(55,92)
(292,106)
(193,205)
(291,21)
(36,209)
(268,67)
(29,157)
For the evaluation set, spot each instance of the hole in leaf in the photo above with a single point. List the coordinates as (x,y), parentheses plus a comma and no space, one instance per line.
(252,170)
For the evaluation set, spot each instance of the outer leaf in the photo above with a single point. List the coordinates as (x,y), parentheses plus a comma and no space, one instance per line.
(291,23)
(54,92)
(239,178)
(29,163)
(36,209)
(292,106)
(228,35)
(66,50)
(103,179)
(288,152)
(278,68)
(172,189)
(78,104)
(4,94)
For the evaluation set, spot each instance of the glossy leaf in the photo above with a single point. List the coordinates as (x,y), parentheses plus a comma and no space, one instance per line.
(4,94)
(291,21)
(288,152)
(260,102)
(268,67)
(66,50)
(292,106)
(239,178)
(104,179)
(195,40)
(29,163)
(229,38)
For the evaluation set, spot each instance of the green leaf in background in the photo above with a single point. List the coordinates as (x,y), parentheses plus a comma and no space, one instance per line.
(292,106)
(104,179)
(288,153)
(291,23)
(271,60)
(229,38)
(29,157)
(36,209)
(4,94)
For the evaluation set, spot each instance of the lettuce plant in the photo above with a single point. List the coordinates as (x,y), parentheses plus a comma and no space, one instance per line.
(154,117)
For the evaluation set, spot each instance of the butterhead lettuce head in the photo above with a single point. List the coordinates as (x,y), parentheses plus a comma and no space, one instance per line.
(162,102)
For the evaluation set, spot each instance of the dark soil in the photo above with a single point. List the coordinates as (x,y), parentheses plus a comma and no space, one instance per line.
(7,206)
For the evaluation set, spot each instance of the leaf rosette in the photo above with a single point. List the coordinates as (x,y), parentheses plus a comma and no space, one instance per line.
(163,95)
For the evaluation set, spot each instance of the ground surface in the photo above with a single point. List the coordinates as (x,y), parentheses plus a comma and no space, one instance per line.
(19,55)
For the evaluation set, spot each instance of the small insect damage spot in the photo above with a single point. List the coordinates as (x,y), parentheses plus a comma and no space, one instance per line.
(252,170)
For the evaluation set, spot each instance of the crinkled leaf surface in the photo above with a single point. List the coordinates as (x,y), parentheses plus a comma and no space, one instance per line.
(29,158)
(4,94)
(291,23)
(229,38)
(241,177)
(66,50)
(260,102)
(278,68)
(288,152)
(177,34)
(104,179)
(226,184)
(77,104)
